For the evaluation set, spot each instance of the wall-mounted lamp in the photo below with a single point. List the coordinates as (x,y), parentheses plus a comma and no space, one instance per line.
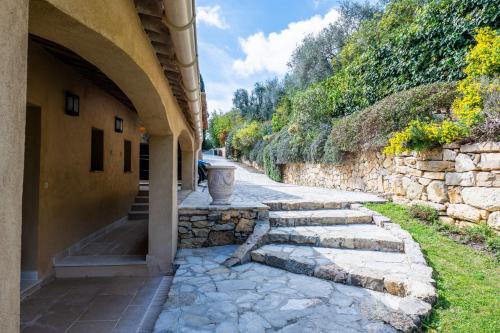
(72,104)
(118,125)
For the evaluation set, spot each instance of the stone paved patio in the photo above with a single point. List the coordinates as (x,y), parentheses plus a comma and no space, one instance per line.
(317,262)
(254,187)
(208,297)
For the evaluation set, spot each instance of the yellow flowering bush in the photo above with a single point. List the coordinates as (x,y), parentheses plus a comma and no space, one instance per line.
(483,61)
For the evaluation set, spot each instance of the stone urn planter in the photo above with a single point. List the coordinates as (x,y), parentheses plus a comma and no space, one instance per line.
(220,183)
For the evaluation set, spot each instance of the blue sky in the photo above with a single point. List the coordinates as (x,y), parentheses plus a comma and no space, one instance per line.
(244,41)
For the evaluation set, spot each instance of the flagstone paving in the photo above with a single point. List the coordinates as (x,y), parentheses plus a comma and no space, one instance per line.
(318,262)
(206,296)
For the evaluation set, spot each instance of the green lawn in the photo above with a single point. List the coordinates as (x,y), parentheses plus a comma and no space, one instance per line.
(468,281)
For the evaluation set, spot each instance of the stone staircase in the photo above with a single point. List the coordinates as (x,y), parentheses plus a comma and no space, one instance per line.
(342,242)
(140,207)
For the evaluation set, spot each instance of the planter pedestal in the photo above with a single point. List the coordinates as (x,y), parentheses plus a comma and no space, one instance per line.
(221,183)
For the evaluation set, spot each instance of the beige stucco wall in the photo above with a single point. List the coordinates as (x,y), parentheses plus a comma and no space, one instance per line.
(74,201)
(13,44)
(109,34)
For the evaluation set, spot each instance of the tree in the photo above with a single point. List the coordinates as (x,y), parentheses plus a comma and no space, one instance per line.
(312,61)
(241,100)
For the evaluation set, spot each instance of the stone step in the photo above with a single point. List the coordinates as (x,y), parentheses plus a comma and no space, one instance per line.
(380,271)
(318,217)
(101,266)
(141,199)
(138,215)
(277,205)
(143,193)
(360,236)
(140,207)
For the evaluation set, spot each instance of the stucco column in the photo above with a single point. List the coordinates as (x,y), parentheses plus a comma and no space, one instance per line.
(162,203)
(13,72)
(188,170)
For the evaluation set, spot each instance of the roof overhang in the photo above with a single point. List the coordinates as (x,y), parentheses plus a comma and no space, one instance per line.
(171,28)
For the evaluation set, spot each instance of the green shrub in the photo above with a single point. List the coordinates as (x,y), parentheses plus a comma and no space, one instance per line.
(246,137)
(424,213)
(483,62)
(373,126)
(317,147)
(271,166)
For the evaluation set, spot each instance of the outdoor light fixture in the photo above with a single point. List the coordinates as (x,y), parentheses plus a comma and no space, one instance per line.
(72,104)
(118,125)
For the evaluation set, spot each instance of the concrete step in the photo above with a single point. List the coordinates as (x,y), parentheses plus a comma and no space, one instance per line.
(276,205)
(360,236)
(138,215)
(140,207)
(143,193)
(387,272)
(318,217)
(141,199)
(101,266)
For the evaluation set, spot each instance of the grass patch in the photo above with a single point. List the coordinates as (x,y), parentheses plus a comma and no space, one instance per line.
(468,281)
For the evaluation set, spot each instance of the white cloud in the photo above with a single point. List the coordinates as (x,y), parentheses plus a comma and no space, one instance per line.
(223,83)
(211,15)
(272,52)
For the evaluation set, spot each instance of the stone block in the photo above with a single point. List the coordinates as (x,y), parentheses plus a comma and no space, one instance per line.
(481,147)
(447,220)
(216,238)
(225,226)
(449,155)
(412,188)
(398,187)
(490,161)
(464,212)
(414,172)
(410,161)
(436,192)
(198,218)
(464,163)
(225,216)
(482,197)
(424,181)
(200,232)
(434,175)
(431,155)
(461,178)
(202,224)
(245,225)
(435,165)
(486,179)
(494,220)
(454,195)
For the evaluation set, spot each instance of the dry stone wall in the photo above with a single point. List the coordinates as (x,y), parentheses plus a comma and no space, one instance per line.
(462,182)
(218,225)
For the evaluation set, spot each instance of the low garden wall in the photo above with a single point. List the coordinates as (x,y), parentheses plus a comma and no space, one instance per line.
(218,225)
(462,182)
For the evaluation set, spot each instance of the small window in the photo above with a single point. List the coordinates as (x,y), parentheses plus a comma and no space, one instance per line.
(127,156)
(97,150)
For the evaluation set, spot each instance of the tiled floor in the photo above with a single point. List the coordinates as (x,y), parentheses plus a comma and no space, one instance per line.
(130,238)
(94,305)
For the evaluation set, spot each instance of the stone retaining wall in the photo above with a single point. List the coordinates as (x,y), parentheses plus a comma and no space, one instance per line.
(218,225)
(461,181)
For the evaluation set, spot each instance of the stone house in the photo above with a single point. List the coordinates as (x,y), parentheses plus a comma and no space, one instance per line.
(80,82)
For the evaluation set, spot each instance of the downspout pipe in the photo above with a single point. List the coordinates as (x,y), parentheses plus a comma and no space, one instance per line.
(181,21)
